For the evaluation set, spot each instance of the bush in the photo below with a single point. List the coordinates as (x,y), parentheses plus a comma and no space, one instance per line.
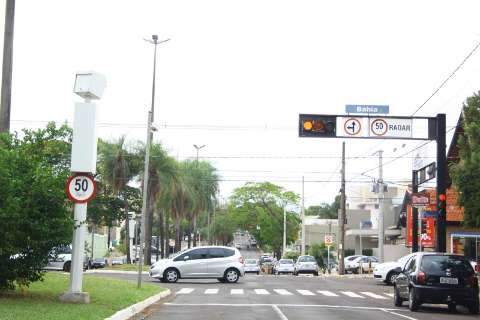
(318,251)
(349,252)
(367,252)
(34,213)
(291,255)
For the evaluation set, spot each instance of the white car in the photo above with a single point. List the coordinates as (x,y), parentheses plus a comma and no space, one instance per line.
(224,263)
(60,258)
(347,261)
(385,272)
(306,264)
(284,266)
(362,264)
(251,265)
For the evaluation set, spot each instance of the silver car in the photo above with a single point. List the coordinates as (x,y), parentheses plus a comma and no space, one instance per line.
(251,265)
(284,266)
(223,263)
(306,264)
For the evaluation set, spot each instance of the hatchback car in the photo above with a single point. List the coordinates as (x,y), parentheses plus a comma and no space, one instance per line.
(306,264)
(437,278)
(363,264)
(284,266)
(224,263)
(386,272)
(251,265)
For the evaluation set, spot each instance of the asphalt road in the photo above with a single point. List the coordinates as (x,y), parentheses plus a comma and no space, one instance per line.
(288,297)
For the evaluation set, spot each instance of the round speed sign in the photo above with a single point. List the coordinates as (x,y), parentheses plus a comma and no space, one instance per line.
(81,188)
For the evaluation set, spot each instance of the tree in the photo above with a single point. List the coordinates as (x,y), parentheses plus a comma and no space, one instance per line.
(34,212)
(258,208)
(466,173)
(325,210)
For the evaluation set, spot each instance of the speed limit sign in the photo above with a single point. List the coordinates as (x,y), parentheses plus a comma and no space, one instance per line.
(81,188)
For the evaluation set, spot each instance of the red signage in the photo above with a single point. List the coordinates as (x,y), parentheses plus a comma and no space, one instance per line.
(427,239)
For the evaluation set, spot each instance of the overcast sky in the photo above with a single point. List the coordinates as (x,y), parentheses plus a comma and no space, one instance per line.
(236,75)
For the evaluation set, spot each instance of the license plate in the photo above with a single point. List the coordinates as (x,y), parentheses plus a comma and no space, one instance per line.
(448,280)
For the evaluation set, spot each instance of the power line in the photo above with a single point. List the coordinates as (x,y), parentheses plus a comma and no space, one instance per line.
(448,78)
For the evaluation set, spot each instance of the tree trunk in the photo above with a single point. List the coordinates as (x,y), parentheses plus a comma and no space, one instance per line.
(194,222)
(160,235)
(177,234)
(148,234)
(166,243)
(108,237)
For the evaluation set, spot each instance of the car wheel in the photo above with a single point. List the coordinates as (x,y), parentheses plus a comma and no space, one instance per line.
(474,307)
(391,276)
(231,275)
(452,307)
(66,266)
(258,272)
(171,275)
(222,280)
(413,302)
(397,301)
(295,273)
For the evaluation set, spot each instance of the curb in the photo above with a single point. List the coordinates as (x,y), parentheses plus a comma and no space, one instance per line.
(114,272)
(132,310)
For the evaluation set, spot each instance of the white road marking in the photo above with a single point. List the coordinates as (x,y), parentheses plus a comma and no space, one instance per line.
(211,291)
(279,312)
(352,294)
(261,291)
(283,292)
(306,292)
(185,291)
(327,293)
(236,291)
(400,315)
(373,295)
(389,294)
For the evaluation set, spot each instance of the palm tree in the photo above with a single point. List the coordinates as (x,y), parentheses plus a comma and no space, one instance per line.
(116,170)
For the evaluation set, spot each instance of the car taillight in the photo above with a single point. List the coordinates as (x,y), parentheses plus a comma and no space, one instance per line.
(473,281)
(421,277)
(242,261)
(477,267)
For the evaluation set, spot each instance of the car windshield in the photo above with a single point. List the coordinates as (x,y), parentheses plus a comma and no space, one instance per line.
(306,259)
(176,254)
(250,261)
(440,264)
(403,260)
(286,261)
(352,258)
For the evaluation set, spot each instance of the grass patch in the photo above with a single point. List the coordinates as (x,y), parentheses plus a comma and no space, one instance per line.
(107,296)
(125,267)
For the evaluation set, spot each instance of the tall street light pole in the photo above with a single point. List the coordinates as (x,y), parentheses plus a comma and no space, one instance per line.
(145,225)
(208,214)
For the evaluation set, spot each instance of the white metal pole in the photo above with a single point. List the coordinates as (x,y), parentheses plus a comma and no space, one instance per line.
(303,216)
(76,271)
(328,258)
(284,230)
(381,195)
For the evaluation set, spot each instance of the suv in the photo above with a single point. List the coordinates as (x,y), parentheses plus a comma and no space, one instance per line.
(437,278)
(224,263)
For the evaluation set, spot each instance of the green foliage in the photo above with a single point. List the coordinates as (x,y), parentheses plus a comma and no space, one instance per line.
(291,255)
(318,251)
(34,213)
(258,208)
(367,252)
(349,252)
(466,173)
(325,210)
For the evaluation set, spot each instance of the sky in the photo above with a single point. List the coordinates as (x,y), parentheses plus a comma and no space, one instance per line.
(235,76)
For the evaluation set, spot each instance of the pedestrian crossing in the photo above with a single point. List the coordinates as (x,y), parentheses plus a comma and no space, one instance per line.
(285,292)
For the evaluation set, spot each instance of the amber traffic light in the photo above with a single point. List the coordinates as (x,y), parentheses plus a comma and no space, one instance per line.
(314,125)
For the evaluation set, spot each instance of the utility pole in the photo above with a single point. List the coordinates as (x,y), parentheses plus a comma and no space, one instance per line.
(414,214)
(441,184)
(284,230)
(6,92)
(381,195)
(303,216)
(342,218)
(208,213)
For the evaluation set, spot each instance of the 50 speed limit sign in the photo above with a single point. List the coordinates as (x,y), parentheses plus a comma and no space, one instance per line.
(81,188)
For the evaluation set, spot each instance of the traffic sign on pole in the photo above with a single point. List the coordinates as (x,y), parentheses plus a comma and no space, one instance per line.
(81,188)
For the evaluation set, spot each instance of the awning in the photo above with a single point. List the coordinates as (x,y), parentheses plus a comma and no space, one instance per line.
(465,234)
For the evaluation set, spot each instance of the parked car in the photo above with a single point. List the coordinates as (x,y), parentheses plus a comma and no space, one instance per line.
(60,258)
(118,261)
(224,263)
(362,264)
(97,263)
(387,272)
(284,266)
(437,278)
(348,260)
(306,264)
(251,265)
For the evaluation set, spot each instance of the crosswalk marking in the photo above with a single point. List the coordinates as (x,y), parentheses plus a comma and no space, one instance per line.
(283,292)
(389,294)
(236,291)
(373,295)
(185,291)
(306,292)
(327,293)
(211,291)
(351,294)
(261,291)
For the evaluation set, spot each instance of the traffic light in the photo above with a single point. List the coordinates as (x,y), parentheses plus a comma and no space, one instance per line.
(316,125)
(442,203)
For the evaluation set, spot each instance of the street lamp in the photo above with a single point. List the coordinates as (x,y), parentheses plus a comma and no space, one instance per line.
(144,227)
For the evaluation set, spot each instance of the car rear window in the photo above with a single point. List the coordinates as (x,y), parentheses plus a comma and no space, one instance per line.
(217,253)
(286,261)
(306,259)
(440,264)
(250,261)
(228,252)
